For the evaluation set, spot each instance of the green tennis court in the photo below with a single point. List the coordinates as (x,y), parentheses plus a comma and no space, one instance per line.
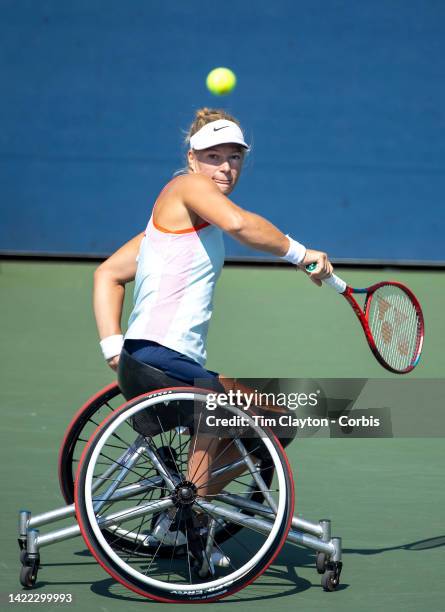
(384,496)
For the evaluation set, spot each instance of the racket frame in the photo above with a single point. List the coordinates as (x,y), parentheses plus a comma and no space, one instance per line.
(362,315)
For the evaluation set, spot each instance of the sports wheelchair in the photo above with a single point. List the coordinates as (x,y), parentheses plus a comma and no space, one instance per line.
(122,473)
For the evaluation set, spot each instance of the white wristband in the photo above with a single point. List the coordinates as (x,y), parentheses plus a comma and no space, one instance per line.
(112,345)
(295,253)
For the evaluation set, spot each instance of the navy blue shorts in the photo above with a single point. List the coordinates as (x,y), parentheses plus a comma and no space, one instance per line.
(171,362)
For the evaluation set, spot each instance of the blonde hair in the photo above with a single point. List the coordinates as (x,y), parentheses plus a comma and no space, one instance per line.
(202,117)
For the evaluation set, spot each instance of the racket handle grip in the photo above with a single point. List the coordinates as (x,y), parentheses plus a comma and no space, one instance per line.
(333,281)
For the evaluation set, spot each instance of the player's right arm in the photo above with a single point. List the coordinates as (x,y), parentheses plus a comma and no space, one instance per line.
(109,289)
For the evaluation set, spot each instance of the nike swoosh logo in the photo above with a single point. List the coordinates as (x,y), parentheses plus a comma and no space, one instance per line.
(221,128)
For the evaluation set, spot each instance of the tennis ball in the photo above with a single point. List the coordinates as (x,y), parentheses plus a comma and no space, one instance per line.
(221,81)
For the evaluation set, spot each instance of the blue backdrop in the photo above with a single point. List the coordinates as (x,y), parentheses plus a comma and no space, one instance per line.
(343,100)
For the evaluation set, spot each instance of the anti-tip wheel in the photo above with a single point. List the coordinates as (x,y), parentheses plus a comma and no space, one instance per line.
(330,580)
(28,576)
(320,562)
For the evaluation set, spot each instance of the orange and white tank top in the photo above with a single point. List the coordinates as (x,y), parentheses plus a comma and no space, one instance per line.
(174,287)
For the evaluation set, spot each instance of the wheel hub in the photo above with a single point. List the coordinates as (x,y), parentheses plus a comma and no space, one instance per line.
(185,493)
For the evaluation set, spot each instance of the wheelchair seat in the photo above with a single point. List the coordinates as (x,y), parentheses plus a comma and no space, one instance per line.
(135,377)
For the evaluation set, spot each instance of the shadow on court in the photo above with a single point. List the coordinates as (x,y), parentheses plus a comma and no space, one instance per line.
(415,546)
(279,583)
(306,558)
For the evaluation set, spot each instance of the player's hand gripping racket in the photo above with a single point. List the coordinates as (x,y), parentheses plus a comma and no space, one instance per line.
(391,318)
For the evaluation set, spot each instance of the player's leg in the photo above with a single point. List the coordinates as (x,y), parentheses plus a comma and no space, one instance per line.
(207,453)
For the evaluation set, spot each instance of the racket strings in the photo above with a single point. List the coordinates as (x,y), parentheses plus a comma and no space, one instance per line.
(393,321)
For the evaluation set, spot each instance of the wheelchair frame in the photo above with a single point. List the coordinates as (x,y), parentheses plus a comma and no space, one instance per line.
(312,535)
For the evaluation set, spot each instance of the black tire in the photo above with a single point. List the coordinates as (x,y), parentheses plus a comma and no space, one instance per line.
(320,562)
(28,576)
(330,580)
(133,572)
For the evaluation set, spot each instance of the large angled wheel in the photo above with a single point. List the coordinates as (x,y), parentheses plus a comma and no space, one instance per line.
(83,425)
(130,481)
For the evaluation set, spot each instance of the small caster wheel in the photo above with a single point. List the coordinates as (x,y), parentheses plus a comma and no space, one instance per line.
(320,562)
(330,580)
(28,576)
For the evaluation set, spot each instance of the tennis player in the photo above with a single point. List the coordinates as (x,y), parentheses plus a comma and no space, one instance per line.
(177,261)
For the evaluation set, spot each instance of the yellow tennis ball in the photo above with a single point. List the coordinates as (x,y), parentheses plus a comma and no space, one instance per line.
(221,81)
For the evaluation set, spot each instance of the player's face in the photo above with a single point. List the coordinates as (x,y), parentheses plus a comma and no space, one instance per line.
(221,163)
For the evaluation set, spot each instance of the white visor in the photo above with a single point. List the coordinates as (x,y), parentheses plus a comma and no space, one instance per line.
(216,133)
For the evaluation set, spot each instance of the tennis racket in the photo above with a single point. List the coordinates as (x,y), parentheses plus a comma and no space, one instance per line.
(391,318)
